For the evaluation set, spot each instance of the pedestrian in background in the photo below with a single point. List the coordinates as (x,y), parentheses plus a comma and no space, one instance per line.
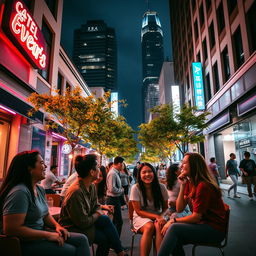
(135,171)
(115,192)
(248,168)
(232,171)
(213,168)
(124,175)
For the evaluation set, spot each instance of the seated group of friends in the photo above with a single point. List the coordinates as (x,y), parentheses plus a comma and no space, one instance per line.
(24,212)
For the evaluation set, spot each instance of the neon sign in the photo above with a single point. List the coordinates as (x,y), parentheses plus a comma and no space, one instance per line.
(20,26)
(198,85)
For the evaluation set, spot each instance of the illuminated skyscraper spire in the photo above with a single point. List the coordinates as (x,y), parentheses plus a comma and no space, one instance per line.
(152,59)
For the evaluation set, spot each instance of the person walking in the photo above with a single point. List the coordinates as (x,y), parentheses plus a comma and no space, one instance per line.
(124,175)
(213,168)
(115,192)
(248,168)
(232,171)
(206,224)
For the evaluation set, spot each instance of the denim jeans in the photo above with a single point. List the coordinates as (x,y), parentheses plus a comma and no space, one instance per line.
(76,245)
(180,234)
(235,182)
(106,236)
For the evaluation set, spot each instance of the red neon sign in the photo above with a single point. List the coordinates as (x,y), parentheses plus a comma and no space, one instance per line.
(20,26)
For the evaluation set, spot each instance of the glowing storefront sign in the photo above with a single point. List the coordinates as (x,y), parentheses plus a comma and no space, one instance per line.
(198,85)
(23,31)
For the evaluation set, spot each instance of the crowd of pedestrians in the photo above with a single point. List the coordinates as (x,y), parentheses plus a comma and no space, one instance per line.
(172,206)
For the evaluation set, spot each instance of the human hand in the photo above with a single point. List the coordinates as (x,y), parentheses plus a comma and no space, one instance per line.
(55,237)
(166,227)
(245,174)
(100,212)
(62,232)
(160,221)
(183,179)
(109,208)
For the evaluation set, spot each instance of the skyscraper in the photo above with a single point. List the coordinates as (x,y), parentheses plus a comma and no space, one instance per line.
(152,60)
(95,54)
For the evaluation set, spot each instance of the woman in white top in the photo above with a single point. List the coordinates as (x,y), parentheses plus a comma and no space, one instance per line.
(173,187)
(149,200)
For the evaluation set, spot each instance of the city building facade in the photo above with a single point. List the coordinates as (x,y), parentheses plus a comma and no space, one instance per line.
(32,60)
(152,60)
(220,36)
(95,54)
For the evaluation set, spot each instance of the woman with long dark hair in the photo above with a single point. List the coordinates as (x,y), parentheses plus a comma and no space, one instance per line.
(207,221)
(173,188)
(24,212)
(101,186)
(149,200)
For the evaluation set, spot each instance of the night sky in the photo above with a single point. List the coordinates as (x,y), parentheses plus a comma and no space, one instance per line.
(125,16)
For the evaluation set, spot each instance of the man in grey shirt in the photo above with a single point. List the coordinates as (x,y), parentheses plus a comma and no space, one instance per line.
(115,192)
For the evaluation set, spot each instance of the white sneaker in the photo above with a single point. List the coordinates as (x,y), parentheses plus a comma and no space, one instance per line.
(228,194)
(237,196)
(250,198)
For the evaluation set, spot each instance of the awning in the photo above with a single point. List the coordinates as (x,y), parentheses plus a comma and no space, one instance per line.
(19,106)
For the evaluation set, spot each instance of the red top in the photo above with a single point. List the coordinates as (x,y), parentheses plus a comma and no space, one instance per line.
(207,202)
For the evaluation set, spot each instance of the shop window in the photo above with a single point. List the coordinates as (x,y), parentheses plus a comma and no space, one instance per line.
(238,48)
(60,86)
(211,35)
(4,138)
(201,15)
(208,4)
(48,38)
(226,67)
(216,77)
(52,5)
(251,27)
(231,5)
(196,30)
(205,50)
(220,18)
(208,91)
(38,140)
(198,57)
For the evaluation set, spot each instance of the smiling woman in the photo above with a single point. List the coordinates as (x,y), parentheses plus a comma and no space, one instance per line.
(149,201)
(24,212)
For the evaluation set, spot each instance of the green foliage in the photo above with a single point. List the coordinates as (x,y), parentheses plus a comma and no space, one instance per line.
(87,118)
(169,129)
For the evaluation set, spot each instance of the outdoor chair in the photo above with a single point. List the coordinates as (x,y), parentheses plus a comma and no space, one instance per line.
(10,245)
(222,244)
(134,232)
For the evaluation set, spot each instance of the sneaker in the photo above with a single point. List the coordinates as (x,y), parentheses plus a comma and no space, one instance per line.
(237,196)
(250,198)
(228,194)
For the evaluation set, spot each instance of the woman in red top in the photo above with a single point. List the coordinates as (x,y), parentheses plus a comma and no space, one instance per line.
(207,221)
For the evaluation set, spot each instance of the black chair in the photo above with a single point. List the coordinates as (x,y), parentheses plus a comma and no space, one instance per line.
(10,245)
(135,232)
(220,245)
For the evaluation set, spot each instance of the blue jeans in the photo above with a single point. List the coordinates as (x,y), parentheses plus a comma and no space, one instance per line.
(76,245)
(180,234)
(106,236)
(117,218)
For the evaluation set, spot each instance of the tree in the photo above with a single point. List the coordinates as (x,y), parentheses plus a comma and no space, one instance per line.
(171,129)
(76,114)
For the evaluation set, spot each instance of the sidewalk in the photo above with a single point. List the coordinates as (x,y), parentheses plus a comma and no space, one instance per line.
(241,188)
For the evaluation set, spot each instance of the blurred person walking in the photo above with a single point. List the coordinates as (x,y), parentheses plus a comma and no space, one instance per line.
(213,168)
(232,171)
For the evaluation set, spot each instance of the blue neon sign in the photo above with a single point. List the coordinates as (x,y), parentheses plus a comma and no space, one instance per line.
(198,85)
